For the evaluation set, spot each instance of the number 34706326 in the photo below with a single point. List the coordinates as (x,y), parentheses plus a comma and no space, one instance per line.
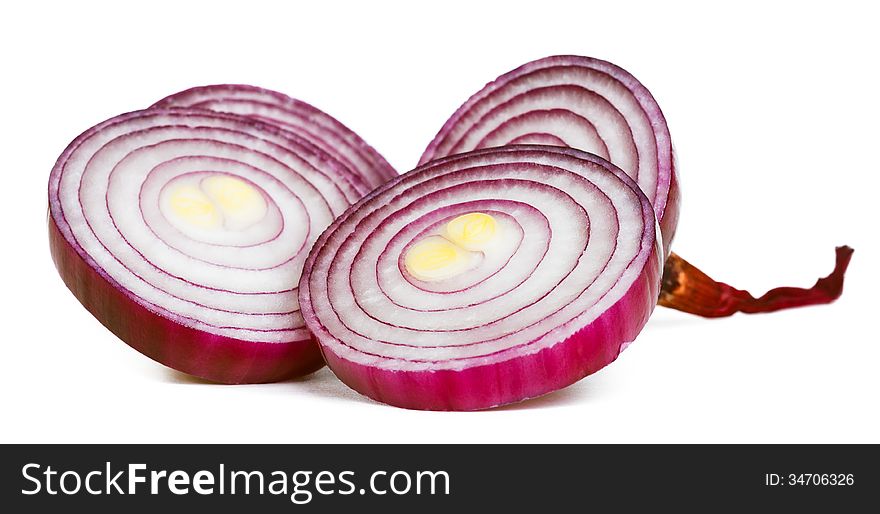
(814,479)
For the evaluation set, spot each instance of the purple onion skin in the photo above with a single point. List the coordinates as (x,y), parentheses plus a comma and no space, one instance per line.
(482,387)
(209,356)
(669,220)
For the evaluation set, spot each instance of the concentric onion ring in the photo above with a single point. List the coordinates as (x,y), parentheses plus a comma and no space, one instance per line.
(304,120)
(569,273)
(185,233)
(574,101)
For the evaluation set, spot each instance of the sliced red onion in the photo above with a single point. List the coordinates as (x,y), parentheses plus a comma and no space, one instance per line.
(484,278)
(574,101)
(185,233)
(307,122)
(598,107)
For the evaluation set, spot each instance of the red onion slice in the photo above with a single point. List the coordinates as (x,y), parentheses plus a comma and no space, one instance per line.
(484,278)
(185,233)
(304,120)
(598,107)
(574,101)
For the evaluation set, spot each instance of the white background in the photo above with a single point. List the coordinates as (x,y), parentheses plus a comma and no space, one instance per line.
(773,109)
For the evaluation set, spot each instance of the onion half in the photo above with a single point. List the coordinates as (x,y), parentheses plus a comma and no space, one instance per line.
(304,120)
(185,233)
(414,309)
(598,107)
(574,101)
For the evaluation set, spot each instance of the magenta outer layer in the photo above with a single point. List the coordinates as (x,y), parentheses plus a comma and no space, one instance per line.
(482,387)
(209,356)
